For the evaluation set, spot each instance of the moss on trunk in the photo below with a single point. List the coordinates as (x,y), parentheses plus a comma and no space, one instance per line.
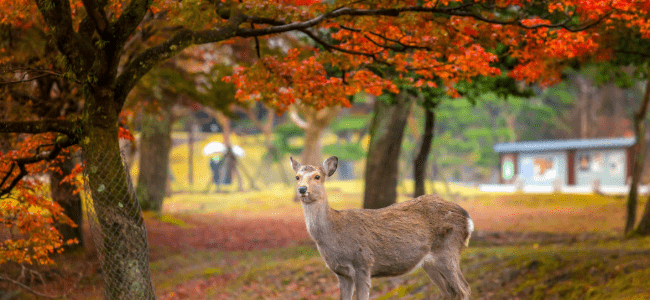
(123,243)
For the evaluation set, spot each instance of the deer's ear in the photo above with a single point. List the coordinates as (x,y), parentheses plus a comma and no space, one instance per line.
(330,165)
(295,165)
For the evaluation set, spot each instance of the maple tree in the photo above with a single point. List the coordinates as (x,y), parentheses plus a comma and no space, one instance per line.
(40,216)
(359,42)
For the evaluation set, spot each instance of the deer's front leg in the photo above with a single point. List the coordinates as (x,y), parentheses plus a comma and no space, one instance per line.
(346,287)
(362,284)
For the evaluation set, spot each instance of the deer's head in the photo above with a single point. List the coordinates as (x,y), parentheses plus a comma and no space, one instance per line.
(311,179)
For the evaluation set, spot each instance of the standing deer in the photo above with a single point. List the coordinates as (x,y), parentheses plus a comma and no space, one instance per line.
(358,244)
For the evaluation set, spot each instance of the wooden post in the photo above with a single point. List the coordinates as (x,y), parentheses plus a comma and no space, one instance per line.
(190,152)
(571,167)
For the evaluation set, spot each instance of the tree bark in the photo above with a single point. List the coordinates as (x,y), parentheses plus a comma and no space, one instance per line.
(644,225)
(311,153)
(637,168)
(314,123)
(382,169)
(420,163)
(124,239)
(155,144)
(63,194)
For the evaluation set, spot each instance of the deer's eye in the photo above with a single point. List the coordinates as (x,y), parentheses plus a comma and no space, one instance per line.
(317,177)
(297,177)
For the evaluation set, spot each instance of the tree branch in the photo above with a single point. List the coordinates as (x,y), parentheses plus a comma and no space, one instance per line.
(139,66)
(23,80)
(646,55)
(59,145)
(58,16)
(331,47)
(296,119)
(459,11)
(13,166)
(66,127)
(98,17)
(130,18)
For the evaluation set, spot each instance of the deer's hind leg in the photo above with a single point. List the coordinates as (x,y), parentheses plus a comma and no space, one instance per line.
(444,271)
(437,278)
(346,287)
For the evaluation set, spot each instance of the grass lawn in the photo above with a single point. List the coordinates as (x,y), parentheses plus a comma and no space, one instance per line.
(254,245)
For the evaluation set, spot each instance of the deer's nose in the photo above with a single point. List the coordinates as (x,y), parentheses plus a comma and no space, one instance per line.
(302,189)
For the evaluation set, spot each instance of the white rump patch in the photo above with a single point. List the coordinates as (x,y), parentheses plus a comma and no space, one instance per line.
(470,228)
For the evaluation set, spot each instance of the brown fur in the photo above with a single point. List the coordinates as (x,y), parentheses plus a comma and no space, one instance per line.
(358,244)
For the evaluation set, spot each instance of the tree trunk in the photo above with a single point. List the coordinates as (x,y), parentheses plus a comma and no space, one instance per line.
(190,152)
(314,123)
(311,153)
(386,133)
(63,194)
(122,243)
(155,144)
(644,224)
(420,163)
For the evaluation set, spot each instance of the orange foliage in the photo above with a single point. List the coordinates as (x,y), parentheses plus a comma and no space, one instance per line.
(450,49)
(28,215)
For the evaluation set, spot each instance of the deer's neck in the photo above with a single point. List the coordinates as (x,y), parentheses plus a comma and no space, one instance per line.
(318,219)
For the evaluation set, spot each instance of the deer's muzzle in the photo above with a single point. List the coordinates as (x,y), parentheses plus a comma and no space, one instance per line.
(302,190)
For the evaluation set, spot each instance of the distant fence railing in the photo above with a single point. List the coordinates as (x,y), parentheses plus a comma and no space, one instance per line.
(603,189)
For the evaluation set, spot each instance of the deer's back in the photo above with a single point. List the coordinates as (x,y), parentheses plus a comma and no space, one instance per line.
(397,237)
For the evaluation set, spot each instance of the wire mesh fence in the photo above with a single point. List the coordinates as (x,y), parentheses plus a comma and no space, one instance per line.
(117,227)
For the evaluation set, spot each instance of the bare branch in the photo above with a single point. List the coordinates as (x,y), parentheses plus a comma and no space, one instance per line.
(66,127)
(24,80)
(300,122)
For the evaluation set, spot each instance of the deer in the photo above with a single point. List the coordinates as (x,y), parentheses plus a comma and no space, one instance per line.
(360,244)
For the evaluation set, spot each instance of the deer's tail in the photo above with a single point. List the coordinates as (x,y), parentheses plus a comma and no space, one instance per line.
(470,226)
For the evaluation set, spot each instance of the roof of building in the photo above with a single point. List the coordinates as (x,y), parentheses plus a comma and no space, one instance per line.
(548,145)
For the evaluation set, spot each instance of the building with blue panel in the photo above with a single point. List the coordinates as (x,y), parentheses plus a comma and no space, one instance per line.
(566,162)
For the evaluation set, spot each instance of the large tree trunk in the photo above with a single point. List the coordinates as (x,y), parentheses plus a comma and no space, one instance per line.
(123,239)
(420,163)
(63,194)
(155,144)
(644,224)
(386,133)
